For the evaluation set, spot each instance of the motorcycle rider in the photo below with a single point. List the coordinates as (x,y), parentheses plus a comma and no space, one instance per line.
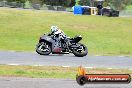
(56,31)
(59,36)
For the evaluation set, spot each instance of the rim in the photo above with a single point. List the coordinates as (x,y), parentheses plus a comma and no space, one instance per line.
(43,47)
(81,49)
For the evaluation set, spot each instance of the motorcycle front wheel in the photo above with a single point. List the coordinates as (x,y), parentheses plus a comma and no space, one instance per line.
(43,48)
(80,51)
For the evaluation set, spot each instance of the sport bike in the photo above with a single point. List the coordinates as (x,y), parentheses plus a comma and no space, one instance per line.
(54,44)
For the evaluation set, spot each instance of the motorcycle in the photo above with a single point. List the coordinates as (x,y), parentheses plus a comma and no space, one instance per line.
(49,43)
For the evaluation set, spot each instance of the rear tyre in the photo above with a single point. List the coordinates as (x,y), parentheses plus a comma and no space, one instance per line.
(43,48)
(80,51)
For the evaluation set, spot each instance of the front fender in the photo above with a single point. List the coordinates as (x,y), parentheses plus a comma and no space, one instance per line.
(46,38)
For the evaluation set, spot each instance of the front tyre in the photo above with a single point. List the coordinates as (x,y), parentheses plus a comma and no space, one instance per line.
(80,51)
(43,48)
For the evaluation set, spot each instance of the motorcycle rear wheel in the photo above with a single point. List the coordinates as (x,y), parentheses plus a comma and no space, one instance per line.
(80,53)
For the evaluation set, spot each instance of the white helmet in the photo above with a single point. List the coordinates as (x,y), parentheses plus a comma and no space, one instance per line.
(54,28)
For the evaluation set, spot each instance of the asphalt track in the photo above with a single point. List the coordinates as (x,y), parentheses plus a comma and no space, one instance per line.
(15,82)
(31,58)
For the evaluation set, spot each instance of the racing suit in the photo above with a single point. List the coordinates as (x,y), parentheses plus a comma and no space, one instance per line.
(61,38)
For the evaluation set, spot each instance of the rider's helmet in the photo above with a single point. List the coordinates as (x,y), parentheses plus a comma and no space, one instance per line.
(54,29)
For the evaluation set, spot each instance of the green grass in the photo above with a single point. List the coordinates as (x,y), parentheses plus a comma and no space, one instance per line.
(21,29)
(53,71)
(37,72)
